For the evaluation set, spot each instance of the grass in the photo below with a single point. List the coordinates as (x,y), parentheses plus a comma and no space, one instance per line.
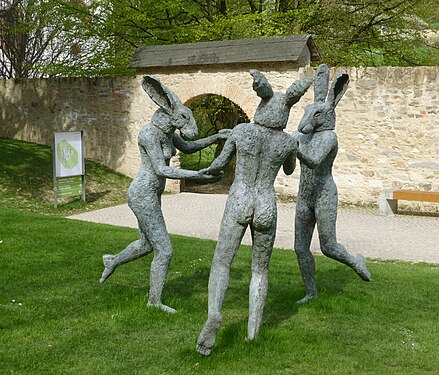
(26,181)
(55,317)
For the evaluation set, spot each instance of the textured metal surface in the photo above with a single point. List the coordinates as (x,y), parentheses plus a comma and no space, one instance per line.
(261,148)
(157,144)
(317,199)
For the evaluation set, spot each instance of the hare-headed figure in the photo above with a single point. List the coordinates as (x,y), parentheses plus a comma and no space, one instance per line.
(261,148)
(317,197)
(158,143)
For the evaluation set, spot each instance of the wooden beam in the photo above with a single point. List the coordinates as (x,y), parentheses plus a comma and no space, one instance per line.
(412,195)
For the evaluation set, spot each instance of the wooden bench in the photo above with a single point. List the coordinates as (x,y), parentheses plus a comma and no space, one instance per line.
(388,203)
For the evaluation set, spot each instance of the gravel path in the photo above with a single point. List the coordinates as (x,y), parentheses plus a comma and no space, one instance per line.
(399,237)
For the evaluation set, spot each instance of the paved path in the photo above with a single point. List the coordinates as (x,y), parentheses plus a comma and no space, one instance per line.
(399,237)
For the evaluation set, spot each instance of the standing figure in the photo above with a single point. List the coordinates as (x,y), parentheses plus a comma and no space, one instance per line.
(261,148)
(157,143)
(317,197)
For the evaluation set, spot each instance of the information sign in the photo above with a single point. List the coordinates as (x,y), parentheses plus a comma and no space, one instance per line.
(68,154)
(68,165)
(69,186)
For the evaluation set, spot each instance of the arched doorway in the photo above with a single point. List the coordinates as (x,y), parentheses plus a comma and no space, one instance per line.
(212,113)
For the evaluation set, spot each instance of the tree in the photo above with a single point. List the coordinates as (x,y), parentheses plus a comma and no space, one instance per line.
(32,38)
(375,32)
(101,35)
(347,32)
(24,39)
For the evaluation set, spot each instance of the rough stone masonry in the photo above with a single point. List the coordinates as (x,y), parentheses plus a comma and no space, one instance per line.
(388,126)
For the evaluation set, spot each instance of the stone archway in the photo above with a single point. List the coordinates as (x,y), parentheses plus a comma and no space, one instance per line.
(222,68)
(212,113)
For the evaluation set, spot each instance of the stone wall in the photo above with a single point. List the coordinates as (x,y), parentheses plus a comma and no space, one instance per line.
(107,109)
(387,122)
(388,129)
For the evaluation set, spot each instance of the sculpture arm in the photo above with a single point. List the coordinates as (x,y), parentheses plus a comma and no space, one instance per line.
(289,164)
(194,146)
(297,90)
(261,86)
(224,157)
(155,154)
(313,157)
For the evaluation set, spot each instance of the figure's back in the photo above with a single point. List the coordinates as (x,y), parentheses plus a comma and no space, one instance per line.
(260,152)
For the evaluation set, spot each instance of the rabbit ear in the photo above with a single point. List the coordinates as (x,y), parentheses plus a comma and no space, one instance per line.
(158,93)
(261,85)
(321,83)
(338,88)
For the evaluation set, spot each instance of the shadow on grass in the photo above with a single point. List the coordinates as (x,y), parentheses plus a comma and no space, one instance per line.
(26,180)
(93,197)
(30,164)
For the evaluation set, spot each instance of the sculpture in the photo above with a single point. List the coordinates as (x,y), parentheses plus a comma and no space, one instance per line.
(157,143)
(261,148)
(317,197)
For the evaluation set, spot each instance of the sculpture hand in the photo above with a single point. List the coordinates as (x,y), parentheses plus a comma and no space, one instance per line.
(299,87)
(296,137)
(204,175)
(209,176)
(213,172)
(224,133)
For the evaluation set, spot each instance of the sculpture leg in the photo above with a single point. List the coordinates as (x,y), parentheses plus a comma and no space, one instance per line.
(262,248)
(155,228)
(304,228)
(229,239)
(326,216)
(133,251)
(158,274)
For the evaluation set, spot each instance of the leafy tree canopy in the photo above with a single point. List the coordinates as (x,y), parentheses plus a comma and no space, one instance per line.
(98,37)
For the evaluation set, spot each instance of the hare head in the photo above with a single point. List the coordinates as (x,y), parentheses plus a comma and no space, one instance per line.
(274,108)
(172,114)
(320,115)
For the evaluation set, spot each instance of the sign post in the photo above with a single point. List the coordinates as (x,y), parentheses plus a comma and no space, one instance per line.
(68,165)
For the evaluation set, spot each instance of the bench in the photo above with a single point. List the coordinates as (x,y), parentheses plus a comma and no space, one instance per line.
(388,203)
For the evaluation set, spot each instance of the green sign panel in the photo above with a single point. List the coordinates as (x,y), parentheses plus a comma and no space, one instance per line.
(67,154)
(69,186)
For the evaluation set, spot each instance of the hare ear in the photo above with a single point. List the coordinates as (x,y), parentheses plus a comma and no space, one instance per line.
(321,83)
(158,93)
(338,88)
(261,85)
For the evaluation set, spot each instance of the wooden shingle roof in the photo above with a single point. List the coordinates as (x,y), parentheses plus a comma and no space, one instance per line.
(255,50)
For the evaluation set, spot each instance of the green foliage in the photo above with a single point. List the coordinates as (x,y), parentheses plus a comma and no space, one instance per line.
(375,33)
(26,181)
(101,35)
(55,317)
(213,113)
(30,34)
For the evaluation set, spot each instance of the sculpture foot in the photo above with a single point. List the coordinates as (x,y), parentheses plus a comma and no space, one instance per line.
(253,328)
(163,307)
(360,268)
(207,337)
(252,334)
(306,299)
(203,350)
(109,267)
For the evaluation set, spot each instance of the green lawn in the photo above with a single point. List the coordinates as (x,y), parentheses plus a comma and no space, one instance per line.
(55,317)
(26,181)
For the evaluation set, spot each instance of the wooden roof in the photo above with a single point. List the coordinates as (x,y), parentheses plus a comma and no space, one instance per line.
(273,49)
